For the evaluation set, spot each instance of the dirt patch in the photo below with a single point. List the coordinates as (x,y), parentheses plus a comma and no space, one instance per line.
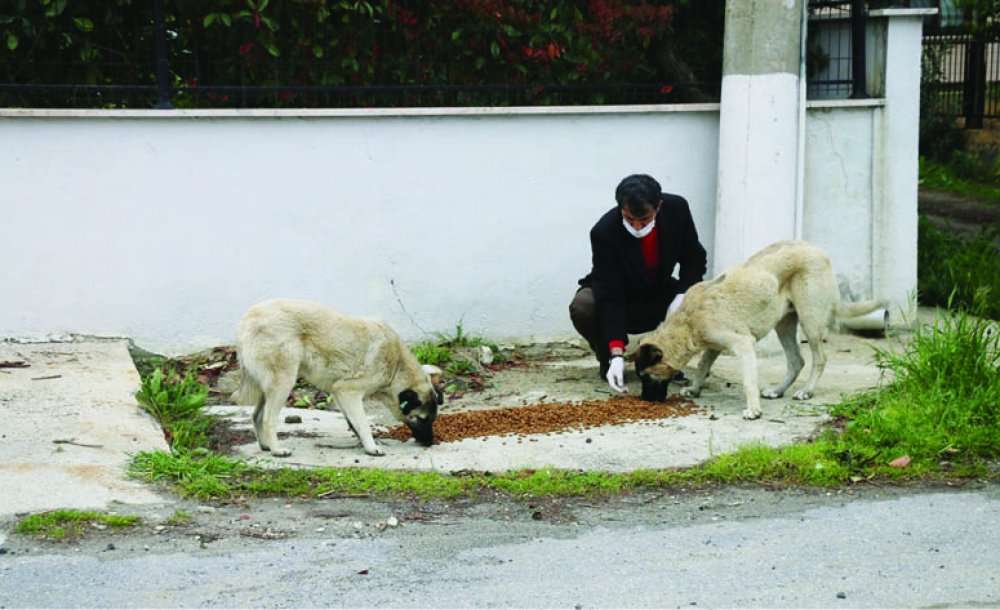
(548,417)
(955,213)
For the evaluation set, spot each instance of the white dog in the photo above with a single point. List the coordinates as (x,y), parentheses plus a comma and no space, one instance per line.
(352,359)
(786,284)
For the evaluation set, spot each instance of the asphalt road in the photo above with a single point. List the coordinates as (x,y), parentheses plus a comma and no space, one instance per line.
(745,548)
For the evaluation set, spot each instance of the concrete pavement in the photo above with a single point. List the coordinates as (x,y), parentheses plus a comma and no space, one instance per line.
(70,423)
(68,426)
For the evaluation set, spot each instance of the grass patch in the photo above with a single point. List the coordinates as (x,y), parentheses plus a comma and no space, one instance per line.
(956,272)
(66,524)
(968,174)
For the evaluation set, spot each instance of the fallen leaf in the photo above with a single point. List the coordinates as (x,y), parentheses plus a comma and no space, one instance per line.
(900,462)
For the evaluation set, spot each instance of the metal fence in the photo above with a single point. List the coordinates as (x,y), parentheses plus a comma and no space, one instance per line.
(150,70)
(835,49)
(961,75)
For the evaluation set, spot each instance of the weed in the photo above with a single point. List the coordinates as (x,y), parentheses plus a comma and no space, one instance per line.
(432,353)
(179,518)
(70,524)
(461,366)
(461,339)
(176,403)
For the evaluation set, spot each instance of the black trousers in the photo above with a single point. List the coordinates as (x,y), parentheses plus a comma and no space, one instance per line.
(640,317)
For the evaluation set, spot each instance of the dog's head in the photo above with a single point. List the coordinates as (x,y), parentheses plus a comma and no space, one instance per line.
(649,362)
(419,405)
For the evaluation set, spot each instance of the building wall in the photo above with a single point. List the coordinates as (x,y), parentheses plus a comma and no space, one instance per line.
(840,193)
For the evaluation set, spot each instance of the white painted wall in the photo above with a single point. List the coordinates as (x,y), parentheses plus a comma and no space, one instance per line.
(166,226)
(839,191)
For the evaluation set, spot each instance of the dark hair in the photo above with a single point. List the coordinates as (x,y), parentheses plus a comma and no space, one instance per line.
(638,192)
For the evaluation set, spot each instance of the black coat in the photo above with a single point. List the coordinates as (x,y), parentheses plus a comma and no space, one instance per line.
(619,277)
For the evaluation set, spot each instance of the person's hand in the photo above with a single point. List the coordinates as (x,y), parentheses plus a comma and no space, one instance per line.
(675,304)
(616,374)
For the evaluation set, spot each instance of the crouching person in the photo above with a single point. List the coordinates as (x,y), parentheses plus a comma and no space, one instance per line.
(636,246)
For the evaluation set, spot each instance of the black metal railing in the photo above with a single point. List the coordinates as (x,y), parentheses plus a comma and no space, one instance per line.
(168,57)
(835,49)
(962,75)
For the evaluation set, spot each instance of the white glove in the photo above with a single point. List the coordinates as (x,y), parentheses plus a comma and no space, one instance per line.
(675,304)
(616,374)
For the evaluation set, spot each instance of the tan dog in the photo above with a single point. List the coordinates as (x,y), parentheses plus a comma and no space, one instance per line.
(784,285)
(352,359)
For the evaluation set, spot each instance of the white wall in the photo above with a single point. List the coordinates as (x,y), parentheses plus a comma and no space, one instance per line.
(166,226)
(839,191)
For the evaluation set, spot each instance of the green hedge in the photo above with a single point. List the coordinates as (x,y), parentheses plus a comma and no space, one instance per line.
(455,52)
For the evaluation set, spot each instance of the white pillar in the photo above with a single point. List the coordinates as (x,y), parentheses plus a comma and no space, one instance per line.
(895,220)
(759,128)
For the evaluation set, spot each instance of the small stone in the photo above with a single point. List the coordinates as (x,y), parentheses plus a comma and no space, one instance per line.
(392,521)
(159,528)
(293,419)
(358,525)
(110,547)
(485,355)
(590,440)
(206,509)
(320,529)
(537,515)
(841,595)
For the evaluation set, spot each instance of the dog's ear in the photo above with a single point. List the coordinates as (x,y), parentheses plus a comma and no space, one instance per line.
(434,373)
(648,355)
(408,401)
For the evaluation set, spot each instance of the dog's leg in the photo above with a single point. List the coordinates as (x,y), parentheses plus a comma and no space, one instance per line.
(743,347)
(258,417)
(815,337)
(352,405)
(704,366)
(274,399)
(786,330)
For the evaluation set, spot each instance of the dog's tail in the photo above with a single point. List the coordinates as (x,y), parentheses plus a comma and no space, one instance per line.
(249,392)
(853,310)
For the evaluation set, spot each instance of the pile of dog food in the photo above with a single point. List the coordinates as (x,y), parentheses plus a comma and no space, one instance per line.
(548,417)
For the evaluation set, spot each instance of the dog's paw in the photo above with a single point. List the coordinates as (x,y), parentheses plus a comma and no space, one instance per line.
(375,451)
(751,414)
(803,395)
(771,393)
(281,452)
(691,392)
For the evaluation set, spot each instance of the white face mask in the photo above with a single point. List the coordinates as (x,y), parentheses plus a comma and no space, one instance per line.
(639,233)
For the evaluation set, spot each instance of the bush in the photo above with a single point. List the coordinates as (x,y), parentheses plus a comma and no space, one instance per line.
(957,272)
(501,51)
